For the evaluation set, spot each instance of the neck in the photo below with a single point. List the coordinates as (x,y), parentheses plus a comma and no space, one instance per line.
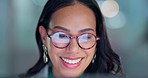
(54,74)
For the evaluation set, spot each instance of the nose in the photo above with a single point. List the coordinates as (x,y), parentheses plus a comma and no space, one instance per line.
(73,46)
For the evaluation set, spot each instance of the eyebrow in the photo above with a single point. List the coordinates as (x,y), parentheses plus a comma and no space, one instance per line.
(60,27)
(83,30)
(86,29)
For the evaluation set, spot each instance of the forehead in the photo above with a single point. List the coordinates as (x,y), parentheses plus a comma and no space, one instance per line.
(74,18)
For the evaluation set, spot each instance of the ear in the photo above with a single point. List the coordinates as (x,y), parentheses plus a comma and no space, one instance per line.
(43,34)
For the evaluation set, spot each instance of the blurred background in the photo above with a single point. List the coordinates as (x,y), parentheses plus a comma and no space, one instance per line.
(126,22)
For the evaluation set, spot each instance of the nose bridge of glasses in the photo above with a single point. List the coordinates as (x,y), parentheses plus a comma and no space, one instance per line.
(73,45)
(71,37)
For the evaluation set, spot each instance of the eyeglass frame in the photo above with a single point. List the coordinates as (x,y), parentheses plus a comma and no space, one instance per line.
(75,37)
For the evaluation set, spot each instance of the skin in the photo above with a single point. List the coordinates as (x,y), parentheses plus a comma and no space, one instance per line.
(74,20)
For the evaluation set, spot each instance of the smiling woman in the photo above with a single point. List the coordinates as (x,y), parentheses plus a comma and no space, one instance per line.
(72,41)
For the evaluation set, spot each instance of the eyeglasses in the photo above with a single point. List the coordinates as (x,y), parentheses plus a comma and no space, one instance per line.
(62,40)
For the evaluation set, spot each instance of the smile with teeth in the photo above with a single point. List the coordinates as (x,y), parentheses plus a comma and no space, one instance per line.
(69,61)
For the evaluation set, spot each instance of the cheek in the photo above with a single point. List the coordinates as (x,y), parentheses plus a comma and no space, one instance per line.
(53,52)
(90,52)
(89,55)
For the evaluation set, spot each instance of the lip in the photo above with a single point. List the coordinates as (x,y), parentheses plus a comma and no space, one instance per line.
(71,66)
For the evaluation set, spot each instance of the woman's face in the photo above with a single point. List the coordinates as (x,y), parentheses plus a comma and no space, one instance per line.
(74,20)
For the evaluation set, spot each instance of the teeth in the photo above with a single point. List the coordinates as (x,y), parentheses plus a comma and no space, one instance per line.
(71,61)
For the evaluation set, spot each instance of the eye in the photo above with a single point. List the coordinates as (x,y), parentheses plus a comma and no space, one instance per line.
(86,38)
(61,35)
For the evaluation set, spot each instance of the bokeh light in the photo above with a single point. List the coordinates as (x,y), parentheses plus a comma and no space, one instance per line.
(117,21)
(110,8)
